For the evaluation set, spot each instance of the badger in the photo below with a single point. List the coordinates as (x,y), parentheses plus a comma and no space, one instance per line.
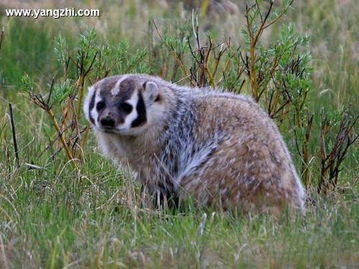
(200,144)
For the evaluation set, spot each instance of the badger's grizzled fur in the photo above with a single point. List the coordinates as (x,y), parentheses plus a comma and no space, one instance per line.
(218,148)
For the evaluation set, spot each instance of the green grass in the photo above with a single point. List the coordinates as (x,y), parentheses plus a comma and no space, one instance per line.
(57,217)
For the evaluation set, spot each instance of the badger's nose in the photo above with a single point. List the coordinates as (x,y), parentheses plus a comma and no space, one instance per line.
(107,122)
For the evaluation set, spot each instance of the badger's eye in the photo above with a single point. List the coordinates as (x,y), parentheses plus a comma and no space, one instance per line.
(100,105)
(127,108)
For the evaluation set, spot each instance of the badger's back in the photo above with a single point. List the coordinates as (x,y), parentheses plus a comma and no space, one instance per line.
(235,157)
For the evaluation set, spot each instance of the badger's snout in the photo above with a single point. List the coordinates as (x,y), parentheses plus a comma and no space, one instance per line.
(107,122)
(110,119)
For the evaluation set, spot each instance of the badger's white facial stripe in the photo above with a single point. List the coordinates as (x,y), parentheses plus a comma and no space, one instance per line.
(89,102)
(134,114)
(92,110)
(116,90)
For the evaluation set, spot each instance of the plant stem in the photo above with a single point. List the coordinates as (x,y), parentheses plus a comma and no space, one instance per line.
(253,71)
(14,136)
(57,127)
(80,87)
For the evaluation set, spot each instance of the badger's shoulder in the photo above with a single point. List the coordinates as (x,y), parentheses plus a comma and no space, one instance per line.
(216,106)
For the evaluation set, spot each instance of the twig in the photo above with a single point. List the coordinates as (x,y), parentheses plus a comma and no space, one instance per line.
(305,154)
(51,90)
(38,100)
(62,139)
(52,141)
(81,82)
(14,136)
(280,15)
(331,162)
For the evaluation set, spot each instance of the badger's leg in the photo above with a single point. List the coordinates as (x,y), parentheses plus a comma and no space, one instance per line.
(160,197)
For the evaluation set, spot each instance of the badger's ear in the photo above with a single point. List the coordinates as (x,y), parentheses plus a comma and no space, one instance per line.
(151,91)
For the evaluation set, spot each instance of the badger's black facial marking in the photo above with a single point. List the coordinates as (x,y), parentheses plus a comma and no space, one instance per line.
(100,105)
(91,106)
(125,107)
(127,88)
(141,112)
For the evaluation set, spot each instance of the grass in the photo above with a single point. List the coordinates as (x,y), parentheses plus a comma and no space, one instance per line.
(54,221)
(55,216)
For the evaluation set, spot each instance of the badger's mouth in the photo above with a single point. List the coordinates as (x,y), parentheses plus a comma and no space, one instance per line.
(108,130)
(121,130)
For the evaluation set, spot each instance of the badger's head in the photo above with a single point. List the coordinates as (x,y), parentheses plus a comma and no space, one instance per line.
(124,105)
